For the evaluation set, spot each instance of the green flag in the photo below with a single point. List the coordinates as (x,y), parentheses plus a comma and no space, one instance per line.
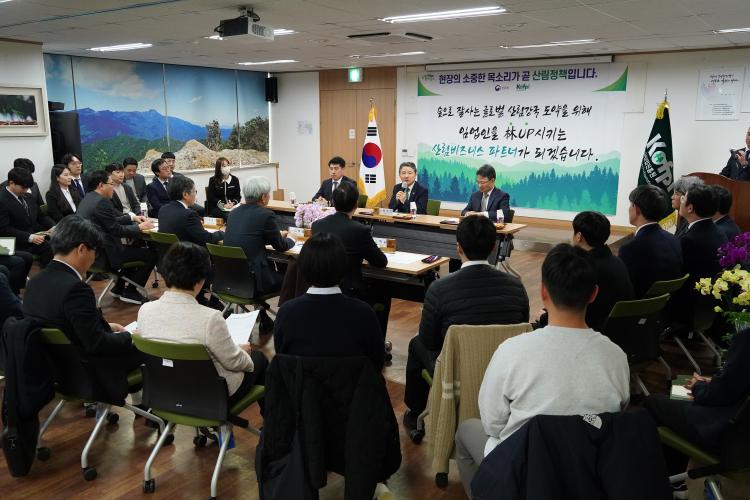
(657,165)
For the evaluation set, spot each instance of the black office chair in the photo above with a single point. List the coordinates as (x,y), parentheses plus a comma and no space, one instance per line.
(113,275)
(78,378)
(635,326)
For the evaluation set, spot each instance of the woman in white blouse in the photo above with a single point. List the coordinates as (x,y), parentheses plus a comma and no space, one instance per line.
(61,200)
(177,317)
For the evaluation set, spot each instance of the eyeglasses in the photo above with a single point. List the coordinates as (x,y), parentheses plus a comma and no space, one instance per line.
(482,183)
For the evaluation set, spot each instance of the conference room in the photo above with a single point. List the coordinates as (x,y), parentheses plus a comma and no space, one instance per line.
(328,249)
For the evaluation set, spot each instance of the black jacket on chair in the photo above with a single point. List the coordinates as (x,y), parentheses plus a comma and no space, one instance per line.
(343,412)
(57,206)
(114,225)
(359,246)
(14,221)
(326,187)
(185,224)
(652,255)
(499,200)
(252,227)
(614,286)
(418,195)
(728,227)
(58,298)
(135,205)
(618,456)
(474,295)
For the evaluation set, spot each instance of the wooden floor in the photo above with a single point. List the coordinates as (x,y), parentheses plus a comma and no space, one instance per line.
(181,471)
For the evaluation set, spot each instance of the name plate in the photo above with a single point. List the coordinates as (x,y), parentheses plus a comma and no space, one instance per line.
(297,231)
(210,221)
(385,211)
(386,245)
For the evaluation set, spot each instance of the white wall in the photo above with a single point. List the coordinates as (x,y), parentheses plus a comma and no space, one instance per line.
(298,154)
(697,145)
(22,64)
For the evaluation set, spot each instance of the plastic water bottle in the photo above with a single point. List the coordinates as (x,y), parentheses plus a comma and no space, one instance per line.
(413,208)
(500,217)
(292,198)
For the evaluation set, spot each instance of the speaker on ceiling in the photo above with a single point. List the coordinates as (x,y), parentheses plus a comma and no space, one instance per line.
(65,133)
(272,90)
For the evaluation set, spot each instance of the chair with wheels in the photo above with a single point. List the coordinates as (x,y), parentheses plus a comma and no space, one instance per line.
(188,391)
(79,379)
(732,459)
(362,201)
(634,326)
(433,207)
(234,279)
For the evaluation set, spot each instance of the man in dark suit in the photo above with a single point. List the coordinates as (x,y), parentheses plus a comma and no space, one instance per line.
(336,170)
(27,164)
(177,218)
(489,199)
(477,294)
(721,218)
(21,217)
(133,179)
(736,167)
(590,232)
(157,191)
(123,198)
(171,160)
(409,191)
(75,166)
(702,240)
(359,245)
(98,208)
(653,254)
(59,298)
(252,226)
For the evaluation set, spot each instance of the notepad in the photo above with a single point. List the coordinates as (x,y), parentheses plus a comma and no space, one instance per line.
(241,326)
(7,246)
(404,258)
(678,390)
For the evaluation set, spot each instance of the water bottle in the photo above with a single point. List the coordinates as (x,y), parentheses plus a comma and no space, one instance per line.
(500,217)
(292,198)
(413,208)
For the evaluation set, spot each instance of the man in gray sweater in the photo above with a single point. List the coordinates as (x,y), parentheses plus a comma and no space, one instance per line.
(565,368)
(477,294)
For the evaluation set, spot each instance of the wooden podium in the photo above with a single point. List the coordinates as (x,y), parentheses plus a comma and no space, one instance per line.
(740,190)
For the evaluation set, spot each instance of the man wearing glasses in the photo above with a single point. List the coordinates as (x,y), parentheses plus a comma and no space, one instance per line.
(75,166)
(489,201)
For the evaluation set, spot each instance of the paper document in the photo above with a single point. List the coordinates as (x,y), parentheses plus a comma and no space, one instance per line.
(7,246)
(404,257)
(132,327)
(241,326)
(678,390)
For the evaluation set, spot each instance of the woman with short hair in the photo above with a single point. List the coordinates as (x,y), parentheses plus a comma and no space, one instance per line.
(177,317)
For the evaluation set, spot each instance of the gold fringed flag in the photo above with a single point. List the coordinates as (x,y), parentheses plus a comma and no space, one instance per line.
(371,173)
(657,165)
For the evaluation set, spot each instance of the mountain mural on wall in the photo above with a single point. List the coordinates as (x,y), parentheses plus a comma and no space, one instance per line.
(149,125)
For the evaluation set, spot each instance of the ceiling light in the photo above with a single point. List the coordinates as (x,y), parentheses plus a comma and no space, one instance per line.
(277,61)
(283,31)
(415,53)
(127,46)
(446,14)
(5,1)
(554,44)
(733,30)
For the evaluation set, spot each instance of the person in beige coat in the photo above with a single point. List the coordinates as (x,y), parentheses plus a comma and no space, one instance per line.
(178,317)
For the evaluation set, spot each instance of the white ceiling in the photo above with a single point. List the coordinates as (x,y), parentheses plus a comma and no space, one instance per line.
(177,27)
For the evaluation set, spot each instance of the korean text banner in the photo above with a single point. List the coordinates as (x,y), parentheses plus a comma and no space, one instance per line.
(552,134)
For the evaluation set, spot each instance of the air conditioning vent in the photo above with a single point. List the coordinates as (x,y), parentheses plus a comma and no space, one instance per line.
(392,38)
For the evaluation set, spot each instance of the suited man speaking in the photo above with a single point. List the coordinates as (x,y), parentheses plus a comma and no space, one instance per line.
(336,167)
(489,199)
(737,165)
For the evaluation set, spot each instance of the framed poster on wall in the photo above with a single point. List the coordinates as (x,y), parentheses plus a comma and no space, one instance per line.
(21,111)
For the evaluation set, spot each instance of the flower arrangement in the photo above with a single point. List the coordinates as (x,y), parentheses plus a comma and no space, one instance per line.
(732,287)
(307,213)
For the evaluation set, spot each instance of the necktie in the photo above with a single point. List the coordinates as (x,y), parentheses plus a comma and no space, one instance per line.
(485,197)
(335,186)
(23,203)
(79,187)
